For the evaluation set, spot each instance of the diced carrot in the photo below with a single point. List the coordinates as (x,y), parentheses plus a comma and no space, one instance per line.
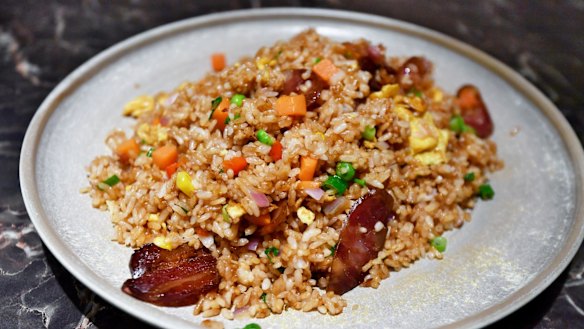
(218,61)
(165,156)
(261,220)
(307,168)
(468,97)
(202,233)
(221,113)
(171,169)
(276,151)
(156,121)
(128,149)
(236,164)
(325,69)
(308,184)
(291,105)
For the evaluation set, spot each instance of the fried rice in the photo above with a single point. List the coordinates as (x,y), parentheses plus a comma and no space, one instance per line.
(286,267)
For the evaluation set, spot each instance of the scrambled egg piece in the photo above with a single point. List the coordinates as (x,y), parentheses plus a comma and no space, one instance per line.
(162,242)
(416,103)
(438,154)
(402,112)
(139,106)
(306,216)
(423,134)
(427,142)
(235,211)
(262,62)
(152,134)
(153,218)
(386,91)
(437,95)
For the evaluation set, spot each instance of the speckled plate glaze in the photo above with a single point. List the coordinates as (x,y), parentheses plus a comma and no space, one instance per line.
(515,246)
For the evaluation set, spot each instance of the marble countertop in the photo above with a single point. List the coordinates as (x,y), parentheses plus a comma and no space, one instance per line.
(42,42)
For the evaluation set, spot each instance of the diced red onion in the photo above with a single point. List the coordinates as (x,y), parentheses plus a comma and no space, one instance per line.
(240,310)
(260,199)
(253,243)
(336,206)
(164,120)
(315,193)
(170,100)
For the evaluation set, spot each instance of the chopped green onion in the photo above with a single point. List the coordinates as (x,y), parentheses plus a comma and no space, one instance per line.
(369,133)
(279,53)
(416,92)
(264,137)
(254,325)
(225,214)
(235,117)
(316,60)
(263,297)
(458,125)
(345,170)
(335,183)
(102,186)
(360,181)
(237,99)
(439,243)
(333,249)
(273,251)
(486,192)
(214,105)
(184,209)
(111,180)
(149,153)
(469,177)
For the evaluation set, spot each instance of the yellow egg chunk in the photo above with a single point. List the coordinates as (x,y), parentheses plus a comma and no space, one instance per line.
(185,183)
(402,112)
(161,242)
(423,134)
(386,91)
(235,211)
(306,216)
(139,105)
(152,134)
(438,154)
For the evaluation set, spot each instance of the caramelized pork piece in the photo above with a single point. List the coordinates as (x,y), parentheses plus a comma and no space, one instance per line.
(415,73)
(371,58)
(312,93)
(361,240)
(171,278)
(474,111)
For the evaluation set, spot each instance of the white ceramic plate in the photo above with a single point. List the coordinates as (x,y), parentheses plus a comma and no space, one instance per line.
(515,246)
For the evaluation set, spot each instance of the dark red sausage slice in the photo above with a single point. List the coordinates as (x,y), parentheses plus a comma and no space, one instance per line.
(150,256)
(359,242)
(474,111)
(171,278)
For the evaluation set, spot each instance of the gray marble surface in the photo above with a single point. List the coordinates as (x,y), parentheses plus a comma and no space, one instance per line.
(43,41)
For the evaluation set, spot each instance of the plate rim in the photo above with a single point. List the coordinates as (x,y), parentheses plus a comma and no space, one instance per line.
(145,312)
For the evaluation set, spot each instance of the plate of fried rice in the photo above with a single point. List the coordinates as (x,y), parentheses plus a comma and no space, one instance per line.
(295,168)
